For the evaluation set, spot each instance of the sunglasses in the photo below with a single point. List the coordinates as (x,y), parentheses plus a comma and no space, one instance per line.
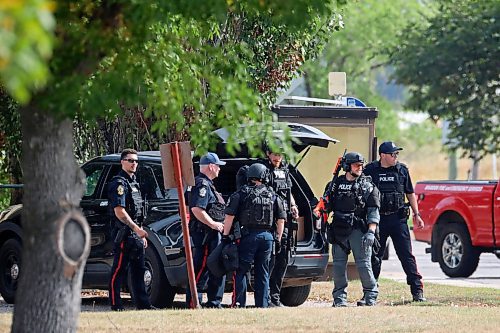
(130,160)
(394,154)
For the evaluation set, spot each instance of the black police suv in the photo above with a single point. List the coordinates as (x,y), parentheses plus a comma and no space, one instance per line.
(166,272)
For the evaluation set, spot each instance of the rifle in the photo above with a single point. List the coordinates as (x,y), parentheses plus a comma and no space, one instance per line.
(291,224)
(321,207)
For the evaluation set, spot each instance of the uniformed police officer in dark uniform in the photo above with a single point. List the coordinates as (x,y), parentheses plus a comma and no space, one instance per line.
(355,202)
(256,207)
(393,180)
(126,210)
(206,207)
(280,181)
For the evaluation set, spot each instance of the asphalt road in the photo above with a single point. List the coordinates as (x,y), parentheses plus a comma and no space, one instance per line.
(486,275)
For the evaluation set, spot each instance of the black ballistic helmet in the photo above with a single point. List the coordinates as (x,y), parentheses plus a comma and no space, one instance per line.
(257,171)
(349,158)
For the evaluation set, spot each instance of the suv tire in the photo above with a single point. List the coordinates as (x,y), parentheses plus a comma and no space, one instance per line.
(10,263)
(295,296)
(161,293)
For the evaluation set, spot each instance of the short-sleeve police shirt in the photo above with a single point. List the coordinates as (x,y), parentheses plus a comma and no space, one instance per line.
(118,190)
(202,195)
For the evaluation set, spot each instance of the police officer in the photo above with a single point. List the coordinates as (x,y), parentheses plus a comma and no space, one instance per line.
(206,207)
(126,211)
(355,202)
(256,207)
(393,180)
(280,181)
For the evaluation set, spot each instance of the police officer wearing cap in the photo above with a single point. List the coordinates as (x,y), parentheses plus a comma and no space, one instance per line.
(126,211)
(355,202)
(280,181)
(206,207)
(393,180)
(256,207)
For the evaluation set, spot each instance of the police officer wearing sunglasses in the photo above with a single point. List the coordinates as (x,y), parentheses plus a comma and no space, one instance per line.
(126,211)
(394,182)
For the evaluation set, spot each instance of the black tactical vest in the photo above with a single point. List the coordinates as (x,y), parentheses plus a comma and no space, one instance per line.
(349,205)
(216,209)
(390,185)
(134,202)
(280,181)
(257,209)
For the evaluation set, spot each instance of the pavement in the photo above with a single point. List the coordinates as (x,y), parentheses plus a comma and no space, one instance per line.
(487,274)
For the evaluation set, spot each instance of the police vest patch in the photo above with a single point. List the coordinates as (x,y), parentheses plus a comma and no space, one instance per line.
(203,192)
(120,190)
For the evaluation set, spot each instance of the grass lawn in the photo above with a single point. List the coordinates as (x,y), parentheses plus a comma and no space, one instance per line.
(449,309)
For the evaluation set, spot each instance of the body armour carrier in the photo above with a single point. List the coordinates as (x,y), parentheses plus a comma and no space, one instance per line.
(280,181)
(258,207)
(134,200)
(390,185)
(349,206)
(216,209)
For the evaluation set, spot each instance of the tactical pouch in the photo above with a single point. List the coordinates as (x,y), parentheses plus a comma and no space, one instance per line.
(391,203)
(404,213)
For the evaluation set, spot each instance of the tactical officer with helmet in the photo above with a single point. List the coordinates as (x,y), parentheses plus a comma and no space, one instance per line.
(256,207)
(393,180)
(206,207)
(355,202)
(280,181)
(126,211)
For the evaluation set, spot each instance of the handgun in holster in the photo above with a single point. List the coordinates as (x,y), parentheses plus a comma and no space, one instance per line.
(121,234)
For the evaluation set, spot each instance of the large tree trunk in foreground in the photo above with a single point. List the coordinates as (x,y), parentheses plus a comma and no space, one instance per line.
(56,235)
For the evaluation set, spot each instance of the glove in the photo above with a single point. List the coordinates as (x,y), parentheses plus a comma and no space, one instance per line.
(277,246)
(367,240)
(226,239)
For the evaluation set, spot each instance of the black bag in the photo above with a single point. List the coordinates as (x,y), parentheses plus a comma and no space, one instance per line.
(214,261)
(230,257)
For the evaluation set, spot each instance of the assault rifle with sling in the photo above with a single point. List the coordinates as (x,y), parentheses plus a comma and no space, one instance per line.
(321,209)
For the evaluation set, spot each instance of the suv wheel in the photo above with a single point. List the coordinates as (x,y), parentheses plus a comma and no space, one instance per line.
(295,296)
(161,293)
(10,263)
(456,255)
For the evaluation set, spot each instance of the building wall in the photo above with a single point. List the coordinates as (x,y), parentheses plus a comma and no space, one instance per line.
(317,166)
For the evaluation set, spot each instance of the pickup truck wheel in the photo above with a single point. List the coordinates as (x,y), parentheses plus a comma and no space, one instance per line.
(10,263)
(456,255)
(295,296)
(161,293)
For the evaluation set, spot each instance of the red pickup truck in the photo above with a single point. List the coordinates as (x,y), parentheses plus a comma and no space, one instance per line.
(462,220)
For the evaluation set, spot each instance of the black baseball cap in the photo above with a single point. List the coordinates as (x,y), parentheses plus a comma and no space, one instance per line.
(388,147)
(211,158)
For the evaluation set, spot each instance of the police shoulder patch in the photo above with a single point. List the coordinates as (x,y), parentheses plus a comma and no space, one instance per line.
(120,190)
(203,192)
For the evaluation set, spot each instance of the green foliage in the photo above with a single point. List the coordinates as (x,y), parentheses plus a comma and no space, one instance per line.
(26,44)
(359,50)
(196,76)
(192,66)
(451,65)
(10,147)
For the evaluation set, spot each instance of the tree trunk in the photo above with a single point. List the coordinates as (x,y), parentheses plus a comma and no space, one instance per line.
(475,166)
(56,235)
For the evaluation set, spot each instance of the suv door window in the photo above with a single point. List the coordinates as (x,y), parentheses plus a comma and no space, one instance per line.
(93,173)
